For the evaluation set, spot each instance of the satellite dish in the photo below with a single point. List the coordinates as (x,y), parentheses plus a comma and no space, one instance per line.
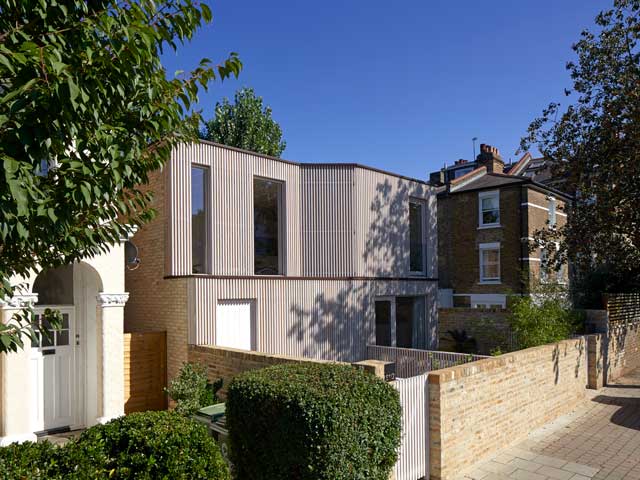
(131,255)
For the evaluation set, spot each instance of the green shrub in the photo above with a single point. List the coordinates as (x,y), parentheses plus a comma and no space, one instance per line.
(542,320)
(149,445)
(155,445)
(191,390)
(312,421)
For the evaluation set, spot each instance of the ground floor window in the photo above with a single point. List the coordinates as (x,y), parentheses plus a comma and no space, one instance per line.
(401,322)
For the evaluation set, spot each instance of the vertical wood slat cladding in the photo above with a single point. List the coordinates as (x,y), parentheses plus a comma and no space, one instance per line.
(231,208)
(323,319)
(382,224)
(327,220)
(145,371)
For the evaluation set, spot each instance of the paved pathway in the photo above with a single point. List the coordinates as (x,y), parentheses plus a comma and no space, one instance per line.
(599,441)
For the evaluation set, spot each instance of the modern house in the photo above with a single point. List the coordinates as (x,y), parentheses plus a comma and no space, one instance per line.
(487,219)
(257,253)
(75,377)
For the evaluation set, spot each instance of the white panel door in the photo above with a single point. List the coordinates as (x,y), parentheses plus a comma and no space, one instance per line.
(52,376)
(235,324)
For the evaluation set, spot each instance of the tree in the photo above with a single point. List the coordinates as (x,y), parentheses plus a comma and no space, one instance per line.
(594,145)
(245,124)
(86,112)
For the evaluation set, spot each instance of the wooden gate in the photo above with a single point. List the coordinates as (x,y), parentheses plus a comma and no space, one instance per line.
(145,371)
(413,455)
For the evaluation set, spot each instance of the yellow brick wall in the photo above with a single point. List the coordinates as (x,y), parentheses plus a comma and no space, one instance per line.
(482,407)
(155,303)
(623,354)
(226,363)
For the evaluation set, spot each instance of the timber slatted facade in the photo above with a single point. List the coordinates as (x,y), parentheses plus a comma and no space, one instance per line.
(145,371)
(345,241)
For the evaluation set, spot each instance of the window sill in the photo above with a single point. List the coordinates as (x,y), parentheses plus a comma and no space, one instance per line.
(417,274)
(489,282)
(486,227)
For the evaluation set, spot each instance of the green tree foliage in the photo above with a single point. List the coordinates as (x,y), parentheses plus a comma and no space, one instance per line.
(245,124)
(594,144)
(86,112)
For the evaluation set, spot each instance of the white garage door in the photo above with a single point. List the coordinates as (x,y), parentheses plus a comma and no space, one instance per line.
(235,326)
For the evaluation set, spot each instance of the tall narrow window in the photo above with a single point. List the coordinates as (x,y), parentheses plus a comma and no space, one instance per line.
(552,212)
(489,205)
(416,237)
(199,218)
(267,218)
(489,263)
(383,322)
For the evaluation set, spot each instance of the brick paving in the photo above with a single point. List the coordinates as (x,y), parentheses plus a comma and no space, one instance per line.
(600,441)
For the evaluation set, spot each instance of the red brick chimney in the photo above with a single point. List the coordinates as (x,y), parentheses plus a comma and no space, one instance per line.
(490,157)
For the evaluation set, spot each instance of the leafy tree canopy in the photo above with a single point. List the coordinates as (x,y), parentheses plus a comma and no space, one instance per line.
(86,112)
(595,146)
(245,124)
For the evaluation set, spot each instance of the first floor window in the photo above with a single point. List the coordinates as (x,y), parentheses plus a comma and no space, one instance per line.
(416,237)
(489,262)
(489,203)
(267,226)
(199,218)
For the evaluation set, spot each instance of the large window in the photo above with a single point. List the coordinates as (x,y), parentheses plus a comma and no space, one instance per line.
(416,237)
(199,218)
(267,232)
(489,263)
(401,322)
(489,206)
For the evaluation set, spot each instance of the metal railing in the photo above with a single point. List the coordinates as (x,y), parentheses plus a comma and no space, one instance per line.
(411,362)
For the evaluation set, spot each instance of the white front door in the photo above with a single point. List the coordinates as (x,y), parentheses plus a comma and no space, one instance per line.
(235,324)
(53,374)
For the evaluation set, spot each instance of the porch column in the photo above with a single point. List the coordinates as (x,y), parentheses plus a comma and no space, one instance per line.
(110,316)
(15,381)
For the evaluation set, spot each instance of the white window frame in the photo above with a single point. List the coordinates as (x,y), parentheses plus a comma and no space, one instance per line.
(553,218)
(423,220)
(481,196)
(481,249)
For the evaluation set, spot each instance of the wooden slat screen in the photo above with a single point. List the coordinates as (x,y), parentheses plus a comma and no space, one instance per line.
(145,371)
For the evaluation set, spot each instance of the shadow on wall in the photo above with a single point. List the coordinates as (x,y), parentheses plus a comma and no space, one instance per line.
(628,415)
(338,325)
(555,356)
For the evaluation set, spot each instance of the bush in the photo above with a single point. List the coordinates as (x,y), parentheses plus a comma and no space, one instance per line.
(156,445)
(542,320)
(191,390)
(151,445)
(312,421)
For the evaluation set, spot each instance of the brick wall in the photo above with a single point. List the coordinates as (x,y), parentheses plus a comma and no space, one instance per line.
(156,304)
(482,407)
(488,326)
(616,349)
(226,363)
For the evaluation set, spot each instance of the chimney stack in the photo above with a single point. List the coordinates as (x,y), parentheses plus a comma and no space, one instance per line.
(490,157)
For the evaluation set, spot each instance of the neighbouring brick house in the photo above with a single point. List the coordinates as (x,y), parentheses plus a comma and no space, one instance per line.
(488,214)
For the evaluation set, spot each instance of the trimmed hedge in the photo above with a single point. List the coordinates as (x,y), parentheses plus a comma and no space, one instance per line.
(149,445)
(312,422)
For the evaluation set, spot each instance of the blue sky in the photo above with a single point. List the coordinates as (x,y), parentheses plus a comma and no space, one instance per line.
(401,85)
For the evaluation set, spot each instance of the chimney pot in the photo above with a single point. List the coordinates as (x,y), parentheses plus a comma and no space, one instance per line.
(490,157)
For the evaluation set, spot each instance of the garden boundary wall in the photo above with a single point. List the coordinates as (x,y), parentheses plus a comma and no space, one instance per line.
(479,408)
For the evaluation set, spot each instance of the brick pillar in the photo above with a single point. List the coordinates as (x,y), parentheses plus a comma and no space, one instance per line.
(110,316)
(596,361)
(15,381)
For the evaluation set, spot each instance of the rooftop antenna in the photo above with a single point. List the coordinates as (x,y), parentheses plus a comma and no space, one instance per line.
(474,140)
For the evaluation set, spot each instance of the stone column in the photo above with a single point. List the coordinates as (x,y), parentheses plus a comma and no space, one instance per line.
(15,381)
(110,317)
